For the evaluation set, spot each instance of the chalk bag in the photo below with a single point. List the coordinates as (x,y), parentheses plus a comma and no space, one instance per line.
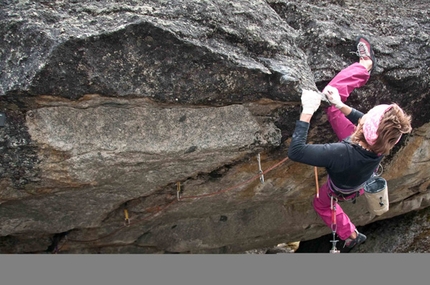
(376,193)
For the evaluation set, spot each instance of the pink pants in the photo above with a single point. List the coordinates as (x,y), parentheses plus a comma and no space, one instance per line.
(354,76)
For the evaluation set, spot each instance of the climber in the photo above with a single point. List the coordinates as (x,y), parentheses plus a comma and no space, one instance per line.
(364,139)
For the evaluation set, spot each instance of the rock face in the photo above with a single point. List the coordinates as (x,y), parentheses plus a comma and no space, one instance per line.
(135,127)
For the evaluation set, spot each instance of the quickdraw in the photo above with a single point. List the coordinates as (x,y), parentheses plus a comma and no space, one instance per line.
(333,202)
(126,218)
(260,171)
(178,190)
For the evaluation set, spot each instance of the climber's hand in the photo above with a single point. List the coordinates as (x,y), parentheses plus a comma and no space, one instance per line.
(311,100)
(332,95)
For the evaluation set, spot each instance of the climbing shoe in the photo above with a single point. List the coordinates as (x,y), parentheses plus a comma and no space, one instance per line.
(350,243)
(364,50)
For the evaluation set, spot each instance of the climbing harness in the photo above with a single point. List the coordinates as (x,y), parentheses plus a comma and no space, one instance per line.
(259,169)
(344,194)
(333,202)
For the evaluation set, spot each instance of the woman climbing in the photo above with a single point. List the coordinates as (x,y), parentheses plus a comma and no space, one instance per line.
(363,141)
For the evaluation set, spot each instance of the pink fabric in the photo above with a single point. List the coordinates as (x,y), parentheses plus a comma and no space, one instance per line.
(354,76)
(371,124)
(344,226)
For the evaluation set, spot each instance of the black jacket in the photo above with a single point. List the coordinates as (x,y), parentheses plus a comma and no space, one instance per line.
(347,164)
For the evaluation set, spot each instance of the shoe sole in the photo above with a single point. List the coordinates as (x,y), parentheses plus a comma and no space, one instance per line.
(357,244)
(372,54)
